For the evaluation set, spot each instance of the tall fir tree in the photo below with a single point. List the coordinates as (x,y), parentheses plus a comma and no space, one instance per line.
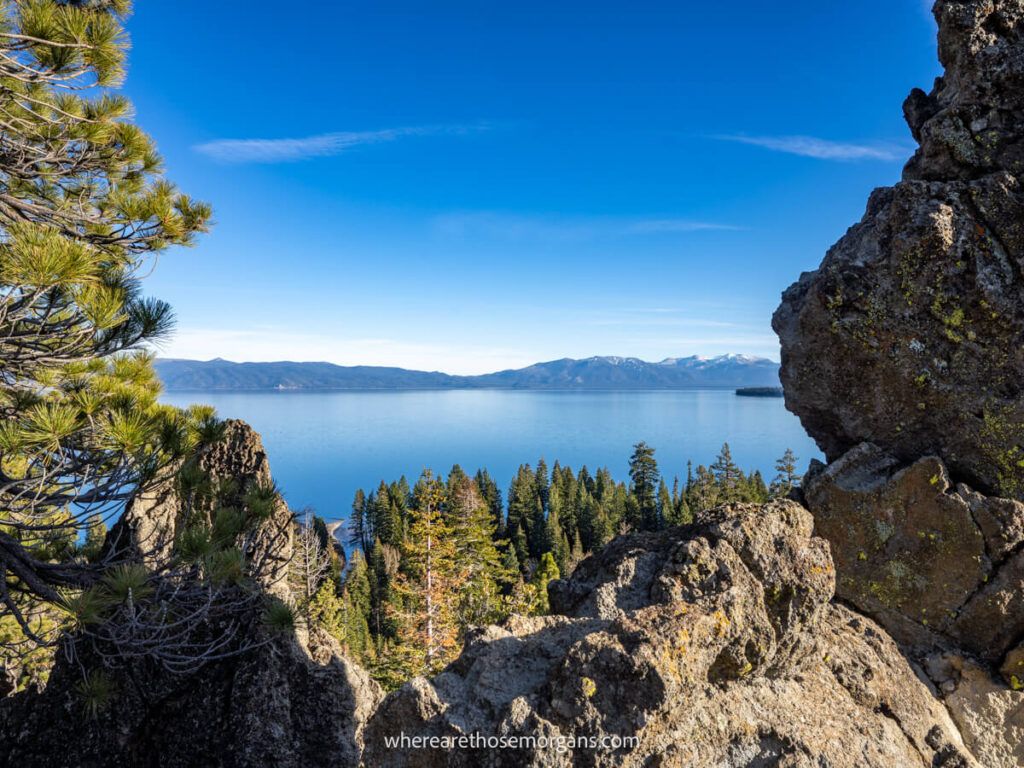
(387,518)
(355,611)
(644,477)
(428,584)
(787,477)
(727,475)
(492,497)
(757,491)
(522,501)
(360,533)
(484,576)
(703,491)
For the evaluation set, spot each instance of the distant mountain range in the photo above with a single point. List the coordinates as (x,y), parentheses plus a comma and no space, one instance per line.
(593,373)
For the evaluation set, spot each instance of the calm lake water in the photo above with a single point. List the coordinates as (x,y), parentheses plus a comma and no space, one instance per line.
(324,445)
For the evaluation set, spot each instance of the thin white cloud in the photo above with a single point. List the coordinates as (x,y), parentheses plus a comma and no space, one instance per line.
(821,149)
(679,225)
(322,145)
(567,228)
(662,321)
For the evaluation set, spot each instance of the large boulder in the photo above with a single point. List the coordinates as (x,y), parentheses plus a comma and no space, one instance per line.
(908,334)
(711,645)
(929,560)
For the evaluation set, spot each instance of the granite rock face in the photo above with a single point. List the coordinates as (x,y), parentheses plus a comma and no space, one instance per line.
(712,645)
(908,334)
(902,356)
(990,716)
(234,464)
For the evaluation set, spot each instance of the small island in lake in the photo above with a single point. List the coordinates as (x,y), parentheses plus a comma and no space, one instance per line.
(759,392)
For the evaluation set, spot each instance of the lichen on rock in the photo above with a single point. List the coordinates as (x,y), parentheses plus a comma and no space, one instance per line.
(908,334)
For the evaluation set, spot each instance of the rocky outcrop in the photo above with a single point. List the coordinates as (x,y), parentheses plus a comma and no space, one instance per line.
(908,334)
(902,356)
(272,706)
(713,645)
(227,469)
(938,565)
(250,698)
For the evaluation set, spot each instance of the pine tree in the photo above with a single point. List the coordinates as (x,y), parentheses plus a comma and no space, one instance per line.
(355,611)
(387,518)
(483,572)
(703,491)
(427,584)
(576,555)
(522,499)
(83,209)
(643,472)
(757,491)
(510,564)
(492,497)
(538,539)
(588,524)
(787,478)
(543,482)
(326,611)
(681,512)
(727,475)
(620,508)
(359,526)
(399,495)
(381,572)
(556,541)
(547,571)
(666,509)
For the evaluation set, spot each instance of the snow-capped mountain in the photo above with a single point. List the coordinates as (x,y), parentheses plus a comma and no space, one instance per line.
(589,373)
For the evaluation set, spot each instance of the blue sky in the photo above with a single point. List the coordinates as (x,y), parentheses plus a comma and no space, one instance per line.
(470,186)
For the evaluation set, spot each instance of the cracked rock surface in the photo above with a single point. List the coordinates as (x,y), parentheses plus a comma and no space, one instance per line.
(715,644)
(936,564)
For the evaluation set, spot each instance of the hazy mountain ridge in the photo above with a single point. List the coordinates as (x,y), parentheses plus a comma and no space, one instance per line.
(567,373)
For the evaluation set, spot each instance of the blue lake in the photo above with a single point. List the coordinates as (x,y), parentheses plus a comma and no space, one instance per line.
(324,445)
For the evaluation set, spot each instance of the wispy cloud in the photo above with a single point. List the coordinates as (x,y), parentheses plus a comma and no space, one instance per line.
(663,321)
(821,149)
(322,145)
(650,226)
(567,228)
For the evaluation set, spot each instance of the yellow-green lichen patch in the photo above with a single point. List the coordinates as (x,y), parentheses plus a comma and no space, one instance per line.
(1003,434)
(589,687)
